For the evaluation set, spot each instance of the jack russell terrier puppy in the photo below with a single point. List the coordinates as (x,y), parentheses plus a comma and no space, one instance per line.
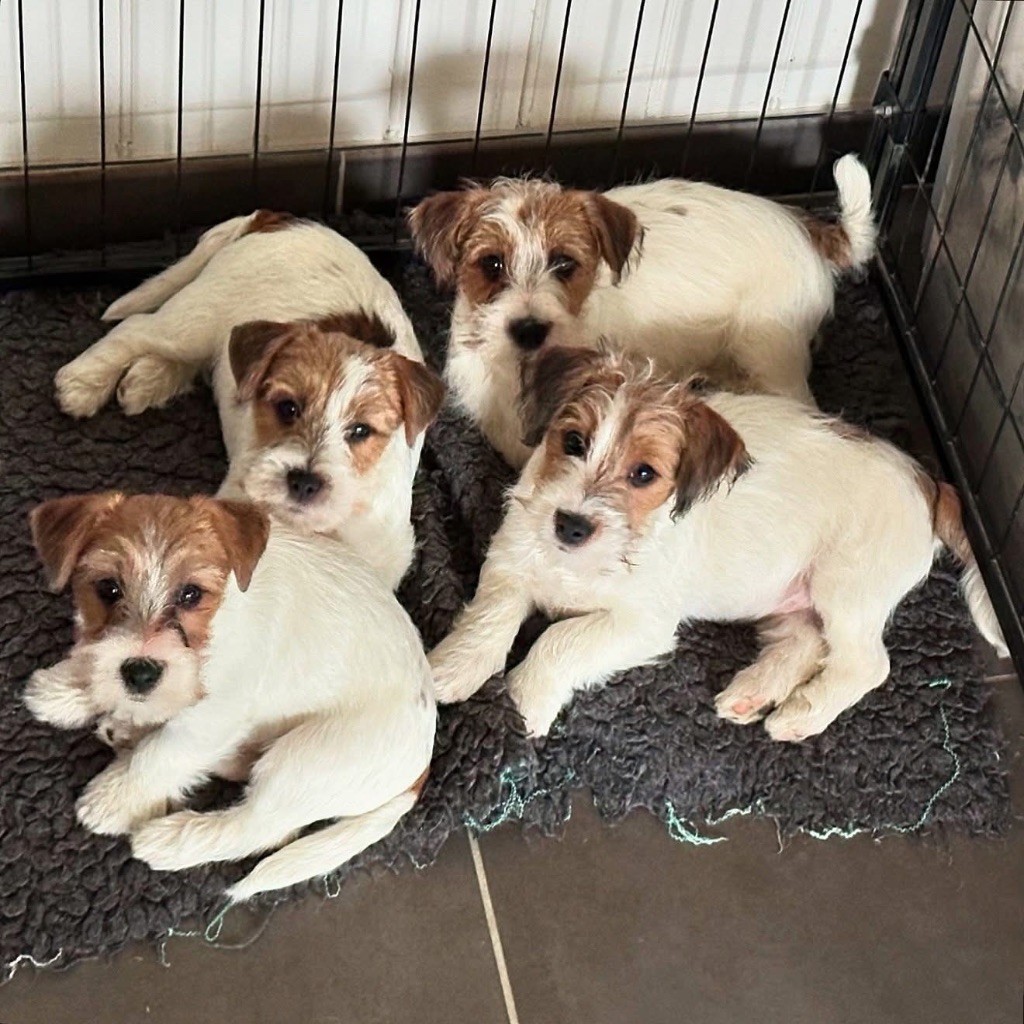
(646,505)
(271,650)
(315,368)
(699,278)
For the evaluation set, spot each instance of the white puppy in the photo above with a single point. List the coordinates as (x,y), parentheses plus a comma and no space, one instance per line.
(293,659)
(315,367)
(698,277)
(645,506)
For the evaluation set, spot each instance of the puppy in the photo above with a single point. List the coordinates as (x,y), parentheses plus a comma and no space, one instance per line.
(315,368)
(300,658)
(645,506)
(702,279)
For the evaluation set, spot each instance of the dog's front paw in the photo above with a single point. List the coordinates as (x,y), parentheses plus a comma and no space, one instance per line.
(746,698)
(55,695)
(151,382)
(111,805)
(538,701)
(165,843)
(456,678)
(85,385)
(797,718)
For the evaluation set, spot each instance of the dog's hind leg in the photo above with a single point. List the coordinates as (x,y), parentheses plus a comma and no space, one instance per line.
(791,652)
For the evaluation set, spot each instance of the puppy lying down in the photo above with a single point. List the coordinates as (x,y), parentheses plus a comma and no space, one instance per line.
(645,505)
(279,652)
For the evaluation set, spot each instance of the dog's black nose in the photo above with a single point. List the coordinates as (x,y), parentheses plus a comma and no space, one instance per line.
(140,675)
(572,529)
(303,486)
(529,333)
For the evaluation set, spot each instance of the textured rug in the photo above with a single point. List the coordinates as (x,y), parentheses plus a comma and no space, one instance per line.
(919,753)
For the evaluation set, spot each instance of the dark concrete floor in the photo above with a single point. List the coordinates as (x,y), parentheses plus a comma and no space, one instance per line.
(609,926)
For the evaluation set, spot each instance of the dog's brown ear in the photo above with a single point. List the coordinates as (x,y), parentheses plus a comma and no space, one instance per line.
(62,528)
(251,349)
(548,380)
(617,231)
(712,453)
(422,393)
(243,530)
(440,225)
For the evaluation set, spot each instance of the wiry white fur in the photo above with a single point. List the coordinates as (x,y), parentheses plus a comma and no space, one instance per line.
(839,520)
(723,282)
(303,271)
(318,653)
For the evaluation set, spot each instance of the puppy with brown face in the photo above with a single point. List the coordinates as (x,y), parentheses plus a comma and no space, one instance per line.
(646,505)
(699,278)
(244,644)
(148,575)
(319,380)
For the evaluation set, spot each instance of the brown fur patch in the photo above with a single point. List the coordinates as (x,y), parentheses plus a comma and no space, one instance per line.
(440,226)
(828,238)
(270,220)
(417,787)
(360,325)
(947,516)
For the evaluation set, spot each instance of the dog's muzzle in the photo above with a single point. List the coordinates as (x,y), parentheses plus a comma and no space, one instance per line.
(140,675)
(529,333)
(572,529)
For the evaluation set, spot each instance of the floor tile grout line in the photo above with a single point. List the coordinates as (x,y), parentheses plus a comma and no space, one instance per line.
(492,929)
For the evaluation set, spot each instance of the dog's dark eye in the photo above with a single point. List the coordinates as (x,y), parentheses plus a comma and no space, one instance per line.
(359,431)
(562,266)
(109,591)
(642,474)
(287,410)
(491,265)
(574,444)
(189,596)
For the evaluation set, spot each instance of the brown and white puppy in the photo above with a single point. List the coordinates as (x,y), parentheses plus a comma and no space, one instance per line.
(350,358)
(282,648)
(646,505)
(699,278)
(148,574)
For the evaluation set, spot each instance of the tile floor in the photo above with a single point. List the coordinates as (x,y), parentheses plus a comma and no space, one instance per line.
(608,926)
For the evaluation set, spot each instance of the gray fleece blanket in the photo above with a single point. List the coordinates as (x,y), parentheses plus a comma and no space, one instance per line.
(919,753)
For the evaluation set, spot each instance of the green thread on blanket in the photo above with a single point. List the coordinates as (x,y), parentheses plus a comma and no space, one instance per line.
(27,958)
(332,887)
(683,832)
(211,933)
(513,806)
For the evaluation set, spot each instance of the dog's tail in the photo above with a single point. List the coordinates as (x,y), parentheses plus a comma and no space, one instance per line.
(323,851)
(856,220)
(949,528)
(155,291)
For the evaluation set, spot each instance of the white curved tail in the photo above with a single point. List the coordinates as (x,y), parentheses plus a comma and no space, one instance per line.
(853,184)
(949,528)
(323,851)
(155,291)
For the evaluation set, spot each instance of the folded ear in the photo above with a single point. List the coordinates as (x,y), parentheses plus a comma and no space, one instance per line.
(243,530)
(62,528)
(251,349)
(440,225)
(712,453)
(422,393)
(548,380)
(616,228)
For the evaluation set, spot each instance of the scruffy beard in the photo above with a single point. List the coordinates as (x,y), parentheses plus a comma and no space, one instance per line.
(608,552)
(489,322)
(93,667)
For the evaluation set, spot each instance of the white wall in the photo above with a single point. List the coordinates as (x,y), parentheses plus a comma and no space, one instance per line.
(141,47)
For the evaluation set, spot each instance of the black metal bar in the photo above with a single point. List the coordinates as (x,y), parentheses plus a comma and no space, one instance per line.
(625,95)
(823,149)
(955,195)
(969,272)
(1005,538)
(408,116)
(24,138)
(696,93)
(179,136)
(767,94)
(103,139)
(259,100)
(483,90)
(558,82)
(328,206)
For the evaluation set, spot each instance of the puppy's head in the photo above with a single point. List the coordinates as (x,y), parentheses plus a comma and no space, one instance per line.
(621,451)
(147,574)
(334,419)
(523,254)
